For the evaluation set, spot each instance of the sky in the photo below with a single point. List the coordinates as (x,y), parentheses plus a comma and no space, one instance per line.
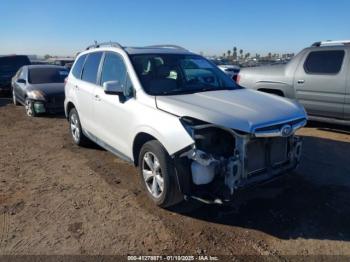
(65,27)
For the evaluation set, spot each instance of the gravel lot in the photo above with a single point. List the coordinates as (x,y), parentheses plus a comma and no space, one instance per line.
(56,198)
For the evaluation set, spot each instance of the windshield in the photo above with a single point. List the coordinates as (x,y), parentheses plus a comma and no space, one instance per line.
(47,75)
(170,74)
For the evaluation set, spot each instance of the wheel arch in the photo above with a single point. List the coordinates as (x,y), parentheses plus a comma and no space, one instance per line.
(272,91)
(139,140)
(68,108)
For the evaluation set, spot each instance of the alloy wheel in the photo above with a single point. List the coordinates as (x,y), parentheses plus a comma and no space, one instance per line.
(29,107)
(74,127)
(152,174)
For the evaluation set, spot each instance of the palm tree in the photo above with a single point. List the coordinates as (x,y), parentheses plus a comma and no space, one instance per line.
(235,53)
(241,53)
(229,53)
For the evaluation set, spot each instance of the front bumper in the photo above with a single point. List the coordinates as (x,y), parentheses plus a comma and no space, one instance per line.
(41,107)
(256,161)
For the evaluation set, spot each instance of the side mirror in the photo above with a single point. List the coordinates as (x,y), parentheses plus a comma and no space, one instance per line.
(113,88)
(21,81)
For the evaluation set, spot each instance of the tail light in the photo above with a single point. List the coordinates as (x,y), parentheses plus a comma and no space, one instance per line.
(237,78)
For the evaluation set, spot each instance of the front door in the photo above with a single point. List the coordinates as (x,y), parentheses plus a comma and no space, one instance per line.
(320,82)
(113,113)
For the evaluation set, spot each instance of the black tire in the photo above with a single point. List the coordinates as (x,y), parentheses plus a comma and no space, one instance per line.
(14,99)
(29,108)
(170,194)
(77,134)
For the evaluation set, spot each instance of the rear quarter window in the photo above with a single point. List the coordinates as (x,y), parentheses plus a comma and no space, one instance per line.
(324,62)
(78,66)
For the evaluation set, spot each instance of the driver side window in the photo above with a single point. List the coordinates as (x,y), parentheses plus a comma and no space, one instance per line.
(114,69)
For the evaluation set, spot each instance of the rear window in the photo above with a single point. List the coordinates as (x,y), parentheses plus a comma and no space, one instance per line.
(324,62)
(11,64)
(78,66)
(91,67)
(47,75)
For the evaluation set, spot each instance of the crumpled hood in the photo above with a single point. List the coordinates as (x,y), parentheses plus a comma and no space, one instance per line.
(240,109)
(49,89)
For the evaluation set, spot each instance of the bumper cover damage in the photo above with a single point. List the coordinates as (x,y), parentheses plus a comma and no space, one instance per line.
(223,161)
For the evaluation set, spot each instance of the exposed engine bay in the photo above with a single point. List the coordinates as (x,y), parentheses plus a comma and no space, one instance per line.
(222,160)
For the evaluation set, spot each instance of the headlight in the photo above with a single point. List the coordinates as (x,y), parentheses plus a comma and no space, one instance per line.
(36,95)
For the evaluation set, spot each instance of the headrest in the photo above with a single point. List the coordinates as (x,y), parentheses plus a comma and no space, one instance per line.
(163,71)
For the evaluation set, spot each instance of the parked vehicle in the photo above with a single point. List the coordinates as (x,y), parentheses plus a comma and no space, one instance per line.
(231,70)
(318,77)
(191,131)
(40,88)
(9,65)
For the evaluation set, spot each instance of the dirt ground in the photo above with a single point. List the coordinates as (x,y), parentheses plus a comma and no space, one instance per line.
(56,198)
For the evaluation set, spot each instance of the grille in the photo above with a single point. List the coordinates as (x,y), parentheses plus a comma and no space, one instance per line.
(266,153)
(278,126)
(57,99)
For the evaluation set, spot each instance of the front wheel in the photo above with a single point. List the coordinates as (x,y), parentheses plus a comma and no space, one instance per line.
(158,175)
(29,107)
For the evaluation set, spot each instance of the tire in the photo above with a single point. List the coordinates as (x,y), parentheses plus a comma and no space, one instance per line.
(75,129)
(158,175)
(29,107)
(14,99)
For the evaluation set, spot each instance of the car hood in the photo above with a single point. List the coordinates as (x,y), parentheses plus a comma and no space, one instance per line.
(48,89)
(240,109)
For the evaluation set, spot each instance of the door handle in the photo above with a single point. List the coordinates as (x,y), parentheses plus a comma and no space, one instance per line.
(76,87)
(97,98)
(301,81)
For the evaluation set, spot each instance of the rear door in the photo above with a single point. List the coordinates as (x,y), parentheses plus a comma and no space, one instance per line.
(84,89)
(320,82)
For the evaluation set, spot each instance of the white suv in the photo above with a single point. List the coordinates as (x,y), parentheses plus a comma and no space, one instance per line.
(189,128)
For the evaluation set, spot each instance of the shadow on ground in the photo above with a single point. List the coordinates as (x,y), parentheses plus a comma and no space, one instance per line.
(340,129)
(313,202)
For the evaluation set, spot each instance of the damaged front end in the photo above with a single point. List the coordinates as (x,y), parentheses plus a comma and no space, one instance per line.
(222,161)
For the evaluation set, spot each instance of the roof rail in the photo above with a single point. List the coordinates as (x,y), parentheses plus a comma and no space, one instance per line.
(167,46)
(112,44)
(330,42)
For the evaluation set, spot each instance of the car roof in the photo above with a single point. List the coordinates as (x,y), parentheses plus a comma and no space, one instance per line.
(45,66)
(328,47)
(165,49)
(154,50)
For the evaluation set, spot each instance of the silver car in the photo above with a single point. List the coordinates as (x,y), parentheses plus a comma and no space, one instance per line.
(40,88)
(191,131)
(318,77)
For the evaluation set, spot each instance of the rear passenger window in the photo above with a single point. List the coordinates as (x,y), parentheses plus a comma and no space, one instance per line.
(78,66)
(91,67)
(324,62)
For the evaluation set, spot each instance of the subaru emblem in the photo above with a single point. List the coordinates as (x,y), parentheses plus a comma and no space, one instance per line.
(286,130)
